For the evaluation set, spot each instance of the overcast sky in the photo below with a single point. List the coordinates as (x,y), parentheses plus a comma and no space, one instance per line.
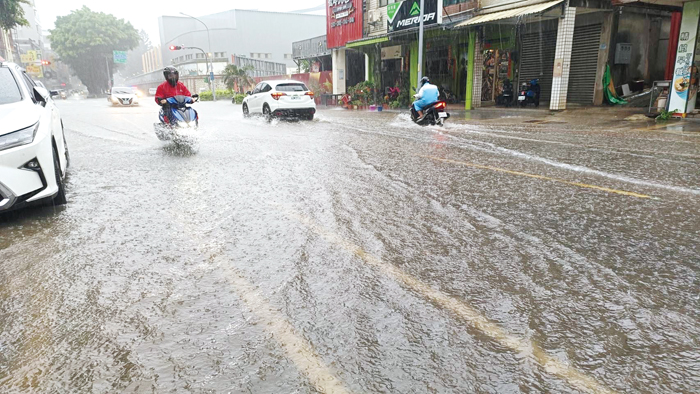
(143,14)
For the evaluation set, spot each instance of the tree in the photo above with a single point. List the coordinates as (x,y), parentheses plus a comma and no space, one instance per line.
(12,14)
(85,40)
(238,76)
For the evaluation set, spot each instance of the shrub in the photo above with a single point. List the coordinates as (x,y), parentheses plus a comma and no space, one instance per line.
(220,95)
(239,98)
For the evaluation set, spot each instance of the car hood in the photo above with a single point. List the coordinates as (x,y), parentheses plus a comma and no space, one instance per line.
(18,116)
(124,96)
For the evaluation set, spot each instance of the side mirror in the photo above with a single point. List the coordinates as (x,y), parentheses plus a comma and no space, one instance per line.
(248,93)
(41,94)
(54,93)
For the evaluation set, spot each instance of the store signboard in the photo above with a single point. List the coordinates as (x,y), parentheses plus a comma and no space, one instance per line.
(685,84)
(119,57)
(405,14)
(343,22)
(393,52)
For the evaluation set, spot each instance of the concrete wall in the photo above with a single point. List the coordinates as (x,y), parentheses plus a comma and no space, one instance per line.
(241,32)
(648,32)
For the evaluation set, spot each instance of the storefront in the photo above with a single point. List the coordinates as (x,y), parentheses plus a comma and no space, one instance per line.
(499,60)
(685,77)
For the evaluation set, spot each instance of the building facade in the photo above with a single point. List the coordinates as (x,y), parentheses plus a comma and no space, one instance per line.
(257,35)
(473,48)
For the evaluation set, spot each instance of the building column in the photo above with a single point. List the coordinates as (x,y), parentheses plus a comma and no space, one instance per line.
(603,54)
(562,59)
(368,75)
(474,71)
(413,68)
(338,57)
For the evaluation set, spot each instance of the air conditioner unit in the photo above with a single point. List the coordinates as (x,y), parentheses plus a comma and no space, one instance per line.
(374,16)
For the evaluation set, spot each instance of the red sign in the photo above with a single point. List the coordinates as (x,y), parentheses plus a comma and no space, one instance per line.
(343,22)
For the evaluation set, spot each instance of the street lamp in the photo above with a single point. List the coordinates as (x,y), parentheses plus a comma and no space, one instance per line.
(211,75)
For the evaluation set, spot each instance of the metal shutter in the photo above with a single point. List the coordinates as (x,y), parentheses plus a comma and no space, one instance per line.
(537,60)
(584,64)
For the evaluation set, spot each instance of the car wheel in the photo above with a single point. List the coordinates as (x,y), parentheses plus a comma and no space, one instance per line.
(246,112)
(310,117)
(60,198)
(266,113)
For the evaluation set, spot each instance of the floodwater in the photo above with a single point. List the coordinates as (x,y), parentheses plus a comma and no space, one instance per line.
(357,253)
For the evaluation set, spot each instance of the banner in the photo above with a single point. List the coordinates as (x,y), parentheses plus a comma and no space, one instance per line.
(405,14)
(685,84)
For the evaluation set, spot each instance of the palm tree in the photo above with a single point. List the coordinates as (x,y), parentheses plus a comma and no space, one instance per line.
(235,76)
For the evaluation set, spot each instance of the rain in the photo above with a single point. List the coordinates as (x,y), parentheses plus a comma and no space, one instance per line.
(306,232)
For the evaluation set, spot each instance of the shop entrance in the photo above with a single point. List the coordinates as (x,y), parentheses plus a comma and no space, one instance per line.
(497,70)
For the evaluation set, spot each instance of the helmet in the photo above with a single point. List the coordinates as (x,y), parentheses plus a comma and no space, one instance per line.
(171,75)
(424,80)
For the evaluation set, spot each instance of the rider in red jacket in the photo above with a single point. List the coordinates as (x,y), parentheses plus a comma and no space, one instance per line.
(171,87)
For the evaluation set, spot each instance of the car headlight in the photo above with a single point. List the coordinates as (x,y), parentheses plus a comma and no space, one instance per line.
(19,137)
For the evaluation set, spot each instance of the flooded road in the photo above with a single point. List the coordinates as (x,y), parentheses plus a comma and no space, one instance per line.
(357,253)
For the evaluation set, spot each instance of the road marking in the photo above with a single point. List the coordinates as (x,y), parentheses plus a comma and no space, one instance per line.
(525,174)
(298,350)
(467,313)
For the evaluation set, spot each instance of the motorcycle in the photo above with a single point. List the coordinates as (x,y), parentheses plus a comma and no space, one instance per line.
(176,115)
(433,114)
(448,96)
(530,93)
(506,96)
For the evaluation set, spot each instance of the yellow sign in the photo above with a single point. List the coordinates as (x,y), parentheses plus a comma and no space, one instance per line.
(34,71)
(24,58)
(32,55)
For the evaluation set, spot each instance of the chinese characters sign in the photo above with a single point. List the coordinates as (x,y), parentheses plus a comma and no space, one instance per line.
(343,22)
(684,84)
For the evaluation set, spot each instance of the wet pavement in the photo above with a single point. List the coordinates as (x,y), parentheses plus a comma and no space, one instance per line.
(358,253)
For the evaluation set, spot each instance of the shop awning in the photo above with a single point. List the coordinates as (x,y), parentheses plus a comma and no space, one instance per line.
(368,41)
(507,14)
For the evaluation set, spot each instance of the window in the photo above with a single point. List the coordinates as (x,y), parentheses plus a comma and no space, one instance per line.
(287,55)
(9,90)
(199,56)
(30,86)
(267,56)
(383,3)
(257,88)
(188,57)
(451,2)
(266,88)
(291,87)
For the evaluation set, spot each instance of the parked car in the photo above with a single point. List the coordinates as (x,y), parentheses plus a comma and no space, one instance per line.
(285,98)
(33,151)
(124,96)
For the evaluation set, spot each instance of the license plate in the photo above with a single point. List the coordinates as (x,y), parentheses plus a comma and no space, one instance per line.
(296,97)
(521,98)
(442,114)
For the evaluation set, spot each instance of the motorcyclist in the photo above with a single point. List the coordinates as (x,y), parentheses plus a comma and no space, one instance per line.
(170,88)
(427,95)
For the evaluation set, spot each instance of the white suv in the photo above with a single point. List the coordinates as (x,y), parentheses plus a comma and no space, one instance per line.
(33,152)
(280,99)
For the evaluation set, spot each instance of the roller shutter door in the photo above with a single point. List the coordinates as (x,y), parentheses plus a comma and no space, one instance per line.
(584,64)
(537,60)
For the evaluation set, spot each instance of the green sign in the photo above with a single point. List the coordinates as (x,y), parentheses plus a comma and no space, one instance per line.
(392,9)
(119,57)
(415,10)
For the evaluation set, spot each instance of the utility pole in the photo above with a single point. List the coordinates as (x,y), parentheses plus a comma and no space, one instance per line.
(210,61)
(420,44)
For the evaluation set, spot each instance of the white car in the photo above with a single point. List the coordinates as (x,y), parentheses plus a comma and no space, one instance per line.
(283,98)
(152,91)
(33,152)
(124,96)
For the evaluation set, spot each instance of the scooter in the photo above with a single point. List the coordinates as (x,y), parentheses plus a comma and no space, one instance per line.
(433,114)
(530,93)
(176,115)
(506,96)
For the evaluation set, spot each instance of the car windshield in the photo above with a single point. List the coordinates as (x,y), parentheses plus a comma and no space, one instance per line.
(291,87)
(122,91)
(9,90)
